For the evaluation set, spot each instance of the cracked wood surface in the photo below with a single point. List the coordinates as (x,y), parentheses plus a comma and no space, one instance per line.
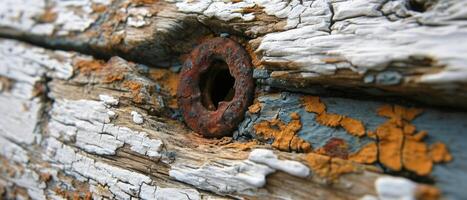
(375,48)
(93,140)
(76,126)
(84,142)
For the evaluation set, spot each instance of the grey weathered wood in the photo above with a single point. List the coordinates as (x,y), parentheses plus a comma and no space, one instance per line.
(61,121)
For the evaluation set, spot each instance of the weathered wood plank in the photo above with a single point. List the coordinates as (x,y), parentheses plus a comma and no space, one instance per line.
(404,47)
(110,128)
(91,145)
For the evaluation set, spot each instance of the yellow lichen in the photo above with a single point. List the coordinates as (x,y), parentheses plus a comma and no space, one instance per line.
(135,88)
(332,120)
(400,147)
(419,136)
(284,135)
(415,157)
(427,192)
(328,167)
(353,126)
(390,146)
(366,155)
(242,146)
(409,129)
(313,104)
(439,153)
(88,66)
(255,108)
(110,78)
(169,81)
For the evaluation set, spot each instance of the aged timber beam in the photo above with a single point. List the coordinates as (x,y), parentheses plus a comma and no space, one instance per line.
(91,134)
(397,48)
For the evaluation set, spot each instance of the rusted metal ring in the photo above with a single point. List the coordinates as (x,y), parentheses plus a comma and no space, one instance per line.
(228,114)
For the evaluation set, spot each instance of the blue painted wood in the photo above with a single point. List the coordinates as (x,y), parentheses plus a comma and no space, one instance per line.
(447,126)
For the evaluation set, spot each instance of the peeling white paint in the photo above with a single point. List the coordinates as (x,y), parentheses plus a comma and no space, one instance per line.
(12,151)
(138,17)
(121,183)
(137,118)
(27,66)
(112,114)
(231,177)
(364,39)
(154,192)
(89,122)
(267,157)
(355,32)
(395,188)
(243,177)
(219,9)
(71,16)
(108,100)
(35,62)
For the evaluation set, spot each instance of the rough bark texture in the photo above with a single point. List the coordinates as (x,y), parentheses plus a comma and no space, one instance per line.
(88,88)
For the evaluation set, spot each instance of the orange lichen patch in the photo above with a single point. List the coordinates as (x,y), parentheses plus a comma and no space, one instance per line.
(242,146)
(399,145)
(371,134)
(335,147)
(133,85)
(98,8)
(409,129)
(415,157)
(399,112)
(386,111)
(250,47)
(284,135)
(88,66)
(366,155)
(340,166)
(332,120)
(48,16)
(439,153)
(319,164)
(427,192)
(110,78)
(135,88)
(327,167)
(419,136)
(313,104)
(168,80)
(390,145)
(407,113)
(255,108)
(75,195)
(353,126)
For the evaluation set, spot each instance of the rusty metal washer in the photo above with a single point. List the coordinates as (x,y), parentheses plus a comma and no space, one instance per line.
(223,120)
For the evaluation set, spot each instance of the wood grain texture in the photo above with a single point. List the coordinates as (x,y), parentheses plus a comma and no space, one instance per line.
(400,48)
(97,116)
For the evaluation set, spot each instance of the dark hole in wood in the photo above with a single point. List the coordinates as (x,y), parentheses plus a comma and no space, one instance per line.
(216,85)
(420,5)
